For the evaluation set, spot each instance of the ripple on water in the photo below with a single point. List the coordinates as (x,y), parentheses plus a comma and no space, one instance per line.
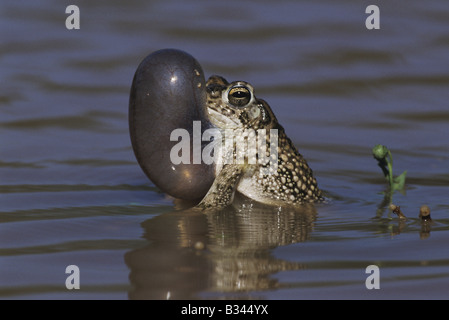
(72,192)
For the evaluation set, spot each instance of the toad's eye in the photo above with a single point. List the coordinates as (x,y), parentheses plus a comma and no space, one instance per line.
(239,96)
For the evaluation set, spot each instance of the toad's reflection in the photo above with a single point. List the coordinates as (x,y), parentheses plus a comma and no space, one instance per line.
(226,251)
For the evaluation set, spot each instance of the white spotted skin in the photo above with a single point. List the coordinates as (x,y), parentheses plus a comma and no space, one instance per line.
(292,181)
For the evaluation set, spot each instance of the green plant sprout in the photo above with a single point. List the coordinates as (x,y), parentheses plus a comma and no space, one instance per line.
(385,162)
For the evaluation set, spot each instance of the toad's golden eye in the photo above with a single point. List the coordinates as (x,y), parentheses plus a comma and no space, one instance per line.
(239,96)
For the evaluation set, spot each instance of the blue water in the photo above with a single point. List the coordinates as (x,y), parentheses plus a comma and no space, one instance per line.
(72,193)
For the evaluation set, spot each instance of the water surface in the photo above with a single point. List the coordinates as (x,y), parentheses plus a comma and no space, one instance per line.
(71,191)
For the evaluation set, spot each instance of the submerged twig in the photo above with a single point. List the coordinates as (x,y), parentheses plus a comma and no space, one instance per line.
(397,209)
(424,213)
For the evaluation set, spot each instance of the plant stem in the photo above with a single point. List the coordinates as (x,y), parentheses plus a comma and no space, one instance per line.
(390,169)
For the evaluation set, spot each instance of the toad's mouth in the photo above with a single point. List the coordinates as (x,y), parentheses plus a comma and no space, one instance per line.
(220,120)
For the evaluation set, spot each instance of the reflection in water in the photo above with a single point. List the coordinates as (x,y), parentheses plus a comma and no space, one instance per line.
(386,204)
(425,229)
(71,190)
(224,251)
(424,232)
